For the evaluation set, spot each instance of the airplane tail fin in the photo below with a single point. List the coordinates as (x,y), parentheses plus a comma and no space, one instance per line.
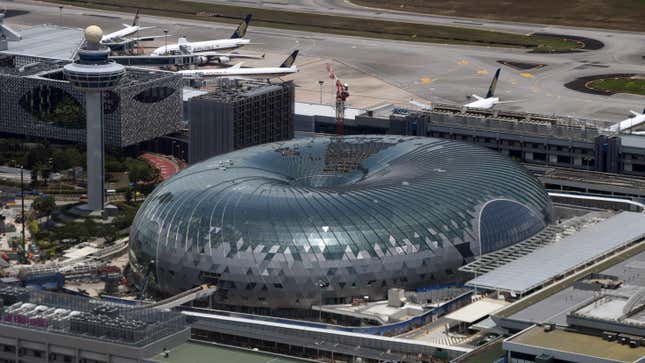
(240,32)
(290,60)
(135,22)
(493,84)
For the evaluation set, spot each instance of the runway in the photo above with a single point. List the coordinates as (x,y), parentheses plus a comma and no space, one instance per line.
(380,70)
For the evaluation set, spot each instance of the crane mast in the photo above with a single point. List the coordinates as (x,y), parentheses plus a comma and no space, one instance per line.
(342,93)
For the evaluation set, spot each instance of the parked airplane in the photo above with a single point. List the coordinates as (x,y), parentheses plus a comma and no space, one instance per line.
(637,119)
(481,102)
(236,71)
(490,100)
(183,46)
(120,38)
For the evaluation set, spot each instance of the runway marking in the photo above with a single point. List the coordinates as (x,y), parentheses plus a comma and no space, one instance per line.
(482,72)
(527,75)
(425,80)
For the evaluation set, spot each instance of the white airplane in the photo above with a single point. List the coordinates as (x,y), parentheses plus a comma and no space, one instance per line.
(236,71)
(637,119)
(122,37)
(490,100)
(183,46)
(481,102)
(421,105)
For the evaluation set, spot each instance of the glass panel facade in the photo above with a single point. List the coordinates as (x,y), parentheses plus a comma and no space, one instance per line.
(349,211)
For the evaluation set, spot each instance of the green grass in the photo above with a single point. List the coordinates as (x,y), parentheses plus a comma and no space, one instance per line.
(329,24)
(610,14)
(619,85)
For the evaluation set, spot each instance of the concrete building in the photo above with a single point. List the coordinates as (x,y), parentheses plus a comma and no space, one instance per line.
(238,114)
(37,101)
(93,74)
(545,140)
(38,326)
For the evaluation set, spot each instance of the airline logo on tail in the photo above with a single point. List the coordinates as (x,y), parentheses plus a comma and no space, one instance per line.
(135,22)
(290,60)
(240,32)
(493,84)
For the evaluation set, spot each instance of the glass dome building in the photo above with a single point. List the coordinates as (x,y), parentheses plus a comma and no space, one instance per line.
(271,224)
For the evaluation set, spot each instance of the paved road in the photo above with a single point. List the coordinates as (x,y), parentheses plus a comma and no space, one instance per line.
(436,72)
(167,168)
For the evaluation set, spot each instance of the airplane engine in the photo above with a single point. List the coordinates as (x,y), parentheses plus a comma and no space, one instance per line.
(202,60)
(224,60)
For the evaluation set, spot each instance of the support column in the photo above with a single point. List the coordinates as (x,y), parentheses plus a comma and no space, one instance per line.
(95,187)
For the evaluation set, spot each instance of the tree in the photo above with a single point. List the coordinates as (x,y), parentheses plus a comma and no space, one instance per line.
(34,228)
(44,206)
(75,157)
(139,171)
(60,160)
(128,195)
(34,177)
(36,156)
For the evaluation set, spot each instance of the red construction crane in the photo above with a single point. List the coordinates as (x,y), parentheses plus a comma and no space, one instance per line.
(342,92)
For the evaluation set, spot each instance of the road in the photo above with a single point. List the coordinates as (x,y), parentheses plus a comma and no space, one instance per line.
(435,72)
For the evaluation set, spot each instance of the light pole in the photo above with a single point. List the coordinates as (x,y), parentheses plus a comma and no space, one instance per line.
(60,15)
(321,83)
(165,47)
(321,285)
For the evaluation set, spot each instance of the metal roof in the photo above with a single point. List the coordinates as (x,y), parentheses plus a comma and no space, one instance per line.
(315,109)
(635,141)
(48,41)
(555,259)
(477,310)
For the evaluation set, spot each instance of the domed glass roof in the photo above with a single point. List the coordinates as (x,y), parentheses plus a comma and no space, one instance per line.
(338,199)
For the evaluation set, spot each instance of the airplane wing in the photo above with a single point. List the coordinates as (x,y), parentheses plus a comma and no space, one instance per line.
(477,97)
(147,38)
(236,66)
(509,101)
(634,113)
(229,55)
(421,105)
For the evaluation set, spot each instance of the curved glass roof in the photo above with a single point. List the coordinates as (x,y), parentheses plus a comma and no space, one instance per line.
(359,196)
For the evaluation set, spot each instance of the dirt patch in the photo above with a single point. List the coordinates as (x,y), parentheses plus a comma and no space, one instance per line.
(521,66)
(615,14)
(10,13)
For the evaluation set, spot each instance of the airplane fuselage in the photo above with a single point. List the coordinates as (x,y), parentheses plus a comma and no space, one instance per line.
(203,46)
(261,72)
(483,103)
(629,123)
(120,33)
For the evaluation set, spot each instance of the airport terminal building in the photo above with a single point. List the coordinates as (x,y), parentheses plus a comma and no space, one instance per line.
(290,224)
(37,101)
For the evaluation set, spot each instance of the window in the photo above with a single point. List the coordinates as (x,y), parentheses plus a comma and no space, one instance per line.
(55,106)
(154,94)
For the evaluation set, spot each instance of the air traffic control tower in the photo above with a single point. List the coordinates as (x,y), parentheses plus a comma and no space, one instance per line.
(93,74)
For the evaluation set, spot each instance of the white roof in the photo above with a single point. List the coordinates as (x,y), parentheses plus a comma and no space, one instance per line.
(544,264)
(477,310)
(48,41)
(79,252)
(315,109)
(189,93)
